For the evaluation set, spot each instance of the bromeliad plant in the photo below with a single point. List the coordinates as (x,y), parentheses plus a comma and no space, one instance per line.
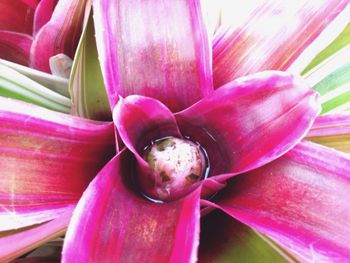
(184,146)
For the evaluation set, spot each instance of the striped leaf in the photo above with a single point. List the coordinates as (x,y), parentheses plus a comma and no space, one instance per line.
(86,84)
(15,85)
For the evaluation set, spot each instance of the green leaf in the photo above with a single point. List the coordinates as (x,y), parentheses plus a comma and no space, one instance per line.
(54,83)
(86,84)
(339,43)
(329,74)
(335,90)
(15,85)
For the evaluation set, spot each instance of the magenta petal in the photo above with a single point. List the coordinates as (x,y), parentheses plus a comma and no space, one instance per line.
(17,16)
(141,120)
(47,161)
(43,14)
(156,48)
(251,121)
(300,200)
(15,47)
(60,35)
(23,241)
(113,223)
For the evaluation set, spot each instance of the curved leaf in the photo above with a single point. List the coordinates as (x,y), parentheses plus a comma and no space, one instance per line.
(60,35)
(335,90)
(43,13)
(342,41)
(113,222)
(17,86)
(16,243)
(17,16)
(54,83)
(276,35)
(251,121)
(332,131)
(299,200)
(141,120)
(47,160)
(15,46)
(86,85)
(158,49)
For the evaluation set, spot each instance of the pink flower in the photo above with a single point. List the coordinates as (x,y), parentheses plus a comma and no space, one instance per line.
(155,58)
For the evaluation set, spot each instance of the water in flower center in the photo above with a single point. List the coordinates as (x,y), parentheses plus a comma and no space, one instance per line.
(176,165)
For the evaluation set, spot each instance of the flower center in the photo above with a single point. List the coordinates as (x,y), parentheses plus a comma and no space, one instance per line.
(176,165)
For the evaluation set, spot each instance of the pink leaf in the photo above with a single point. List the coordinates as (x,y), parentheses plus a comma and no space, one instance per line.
(47,160)
(155,48)
(332,130)
(274,34)
(141,120)
(114,223)
(17,16)
(15,47)
(43,14)
(300,200)
(251,121)
(60,35)
(17,243)
(331,124)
